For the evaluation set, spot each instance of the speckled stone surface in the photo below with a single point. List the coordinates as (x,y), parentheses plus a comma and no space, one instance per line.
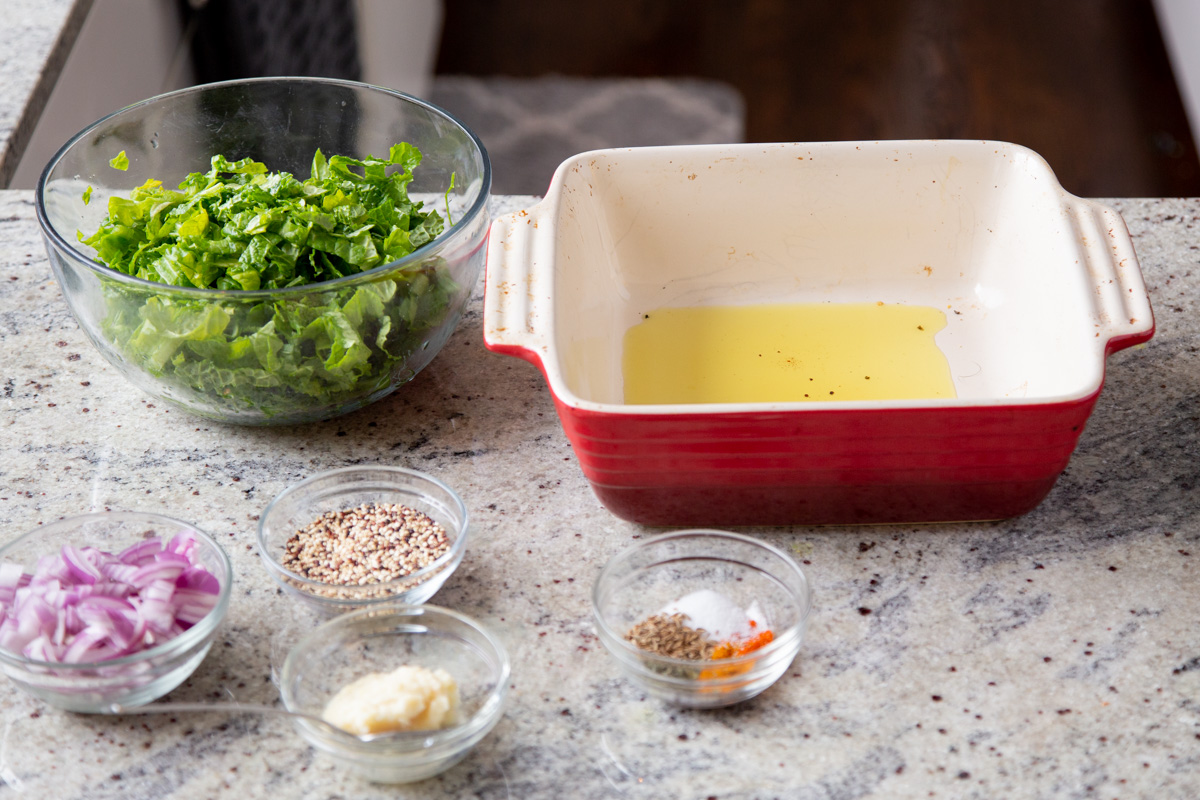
(1056,655)
(35,38)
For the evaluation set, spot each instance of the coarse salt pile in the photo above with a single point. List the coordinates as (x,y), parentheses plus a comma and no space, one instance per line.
(721,618)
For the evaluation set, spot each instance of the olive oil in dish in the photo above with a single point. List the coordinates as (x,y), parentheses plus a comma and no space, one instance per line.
(786,353)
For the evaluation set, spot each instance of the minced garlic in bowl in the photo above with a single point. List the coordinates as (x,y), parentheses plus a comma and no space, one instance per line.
(410,698)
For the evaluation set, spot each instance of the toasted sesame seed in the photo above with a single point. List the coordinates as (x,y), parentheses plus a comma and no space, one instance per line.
(373,543)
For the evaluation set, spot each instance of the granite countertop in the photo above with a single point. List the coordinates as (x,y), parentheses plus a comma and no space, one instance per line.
(1052,655)
(35,39)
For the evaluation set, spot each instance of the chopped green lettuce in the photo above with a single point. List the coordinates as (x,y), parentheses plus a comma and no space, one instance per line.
(242,227)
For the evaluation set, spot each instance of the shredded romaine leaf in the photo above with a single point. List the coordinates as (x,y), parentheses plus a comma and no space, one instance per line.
(241,226)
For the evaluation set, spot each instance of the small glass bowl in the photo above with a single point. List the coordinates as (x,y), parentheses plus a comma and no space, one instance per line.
(380,639)
(347,488)
(133,680)
(640,581)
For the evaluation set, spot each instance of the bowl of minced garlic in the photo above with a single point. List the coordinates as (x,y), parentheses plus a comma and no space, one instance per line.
(435,678)
(702,618)
(409,698)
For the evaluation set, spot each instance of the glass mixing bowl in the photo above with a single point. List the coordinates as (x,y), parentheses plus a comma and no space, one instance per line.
(283,355)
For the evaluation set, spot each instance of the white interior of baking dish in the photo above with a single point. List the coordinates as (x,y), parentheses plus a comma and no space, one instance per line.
(1033,281)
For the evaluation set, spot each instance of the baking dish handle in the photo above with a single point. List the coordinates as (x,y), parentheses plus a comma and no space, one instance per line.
(1121,304)
(517,287)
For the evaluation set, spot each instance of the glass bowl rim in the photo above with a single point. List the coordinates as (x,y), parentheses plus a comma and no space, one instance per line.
(184,642)
(306,585)
(452,232)
(633,656)
(431,742)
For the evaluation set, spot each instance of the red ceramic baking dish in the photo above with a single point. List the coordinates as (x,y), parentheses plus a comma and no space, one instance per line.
(1037,286)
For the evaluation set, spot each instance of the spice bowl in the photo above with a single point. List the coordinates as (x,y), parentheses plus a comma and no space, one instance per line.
(359,536)
(378,640)
(134,648)
(669,590)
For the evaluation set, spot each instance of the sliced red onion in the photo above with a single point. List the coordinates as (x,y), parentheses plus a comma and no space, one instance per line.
(193,605)
(157,571)
(86,605)
(42,649)
(90,644)
(119,571)
(11,577)
(79,563)
(20,632)
(200,579)
(141,552)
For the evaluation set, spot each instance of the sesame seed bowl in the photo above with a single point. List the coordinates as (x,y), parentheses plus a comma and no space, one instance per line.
(702,618)
(359,536)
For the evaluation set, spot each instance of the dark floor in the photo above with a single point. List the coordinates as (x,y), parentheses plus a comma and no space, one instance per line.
(1086,83)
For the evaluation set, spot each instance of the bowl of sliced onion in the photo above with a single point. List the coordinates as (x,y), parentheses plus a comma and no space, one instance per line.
(111,608)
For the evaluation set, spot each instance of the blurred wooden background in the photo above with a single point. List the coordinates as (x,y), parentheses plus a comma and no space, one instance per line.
(1086,83)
